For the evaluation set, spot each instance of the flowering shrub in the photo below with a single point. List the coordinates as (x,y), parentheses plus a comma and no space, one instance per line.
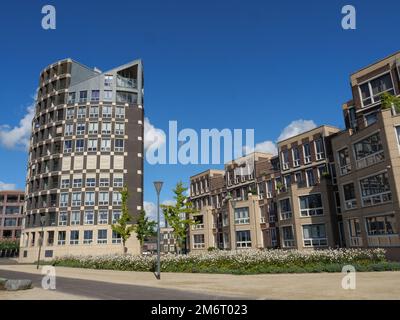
(241,261)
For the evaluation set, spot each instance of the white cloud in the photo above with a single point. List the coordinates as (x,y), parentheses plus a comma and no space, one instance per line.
(18,137)
(267,146)
(153,138)
(7,186)
(296,127)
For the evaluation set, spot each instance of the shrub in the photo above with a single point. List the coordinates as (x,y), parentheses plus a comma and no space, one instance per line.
(240,262)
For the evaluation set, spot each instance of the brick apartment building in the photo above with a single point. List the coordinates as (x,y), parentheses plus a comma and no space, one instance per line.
(325,188)
(11,214)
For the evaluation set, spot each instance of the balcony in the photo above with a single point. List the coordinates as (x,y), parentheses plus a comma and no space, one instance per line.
(356,242)
(123,82)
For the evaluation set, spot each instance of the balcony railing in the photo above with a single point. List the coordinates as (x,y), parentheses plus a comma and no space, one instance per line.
(199,245)
(356,241)
(198,226)
(126,82)
(345,169)
(315,242)
(376,199)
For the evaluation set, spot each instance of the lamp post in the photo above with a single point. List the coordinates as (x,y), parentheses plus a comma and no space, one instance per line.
(42,222)
(158,185)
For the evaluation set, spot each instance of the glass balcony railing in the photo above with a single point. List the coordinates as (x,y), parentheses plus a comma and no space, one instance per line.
(126,82)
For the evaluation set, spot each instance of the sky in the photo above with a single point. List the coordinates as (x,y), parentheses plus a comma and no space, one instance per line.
(278,67)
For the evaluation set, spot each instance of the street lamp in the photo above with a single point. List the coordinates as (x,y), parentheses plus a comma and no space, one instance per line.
(42,222)
(158,185)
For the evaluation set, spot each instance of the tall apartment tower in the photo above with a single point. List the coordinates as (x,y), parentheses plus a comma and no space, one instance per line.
(86,145)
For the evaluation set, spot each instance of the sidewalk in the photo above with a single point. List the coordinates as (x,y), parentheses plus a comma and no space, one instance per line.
(370,285)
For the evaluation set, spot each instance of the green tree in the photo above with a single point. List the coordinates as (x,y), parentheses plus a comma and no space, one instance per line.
(123,227)
(178,216)
(144,228)
(389,100)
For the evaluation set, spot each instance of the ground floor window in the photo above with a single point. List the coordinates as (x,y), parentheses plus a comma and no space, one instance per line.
(243,239)
(198,241)
(288,236)
(314,235)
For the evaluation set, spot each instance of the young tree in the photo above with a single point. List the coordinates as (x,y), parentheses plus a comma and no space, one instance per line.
(144,228)
(178,216)
(123,227)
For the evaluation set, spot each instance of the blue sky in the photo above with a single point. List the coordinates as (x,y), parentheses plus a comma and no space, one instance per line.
(208,64)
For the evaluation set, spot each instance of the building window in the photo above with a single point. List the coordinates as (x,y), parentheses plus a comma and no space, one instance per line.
(314,235)
(119,145)
(349,194)
(71,97)
(105,145)
(93,128)
(94,112)
(319,149)
(287,181)
(311,205)
(74,237)
(104,182)
(102,236)
(119,128)
(375,190)
(296,156)
(108,81)
(83,96)
(89,199)
(118,182)
(67,146)
(103,198)
(90,182)
(62,218)
(106,128)
(77,183)
(198,241)
(116,238)
(64,183)
(61,238)
(307,153)
(369,151)
(381,225)
(310,178)
(75,218)
(344,161)
(69,129)
(95,95)
(70,113)
(287,236)
(117,198)
(81,112)
(80,129)
(76,199)
(285,159)
(64,200)
(108,94)
(371,91)
(102,217)
(242,215)
(88,217)
(87,237)
(285,209)
(79,145)
(92,145)
(120,112)
(243,239)
(116,215)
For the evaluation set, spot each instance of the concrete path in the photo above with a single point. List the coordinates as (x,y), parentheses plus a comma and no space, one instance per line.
(369,285)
